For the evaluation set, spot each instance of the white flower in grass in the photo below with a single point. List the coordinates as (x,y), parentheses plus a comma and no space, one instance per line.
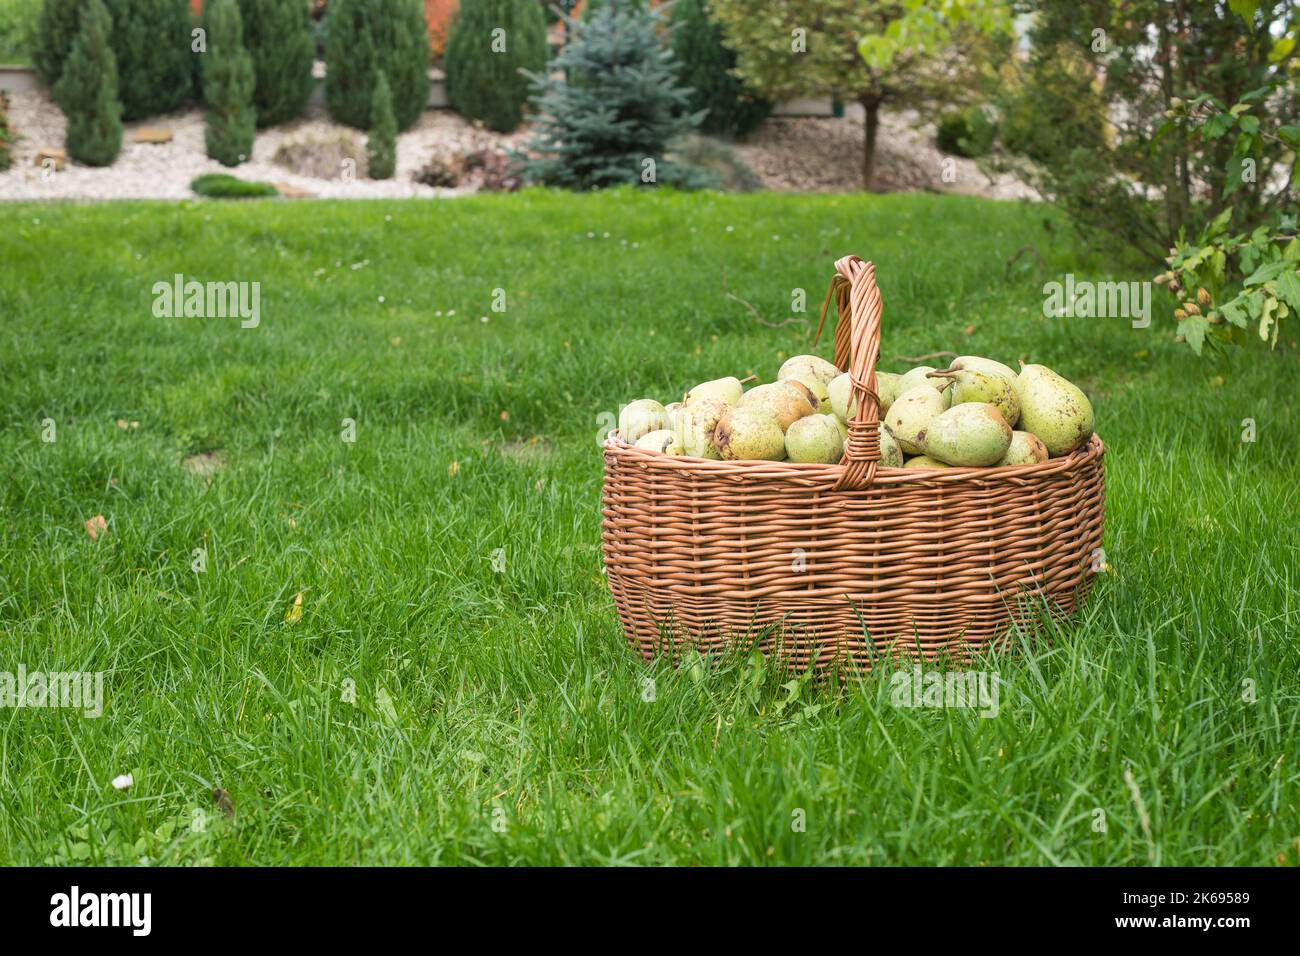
(122,781)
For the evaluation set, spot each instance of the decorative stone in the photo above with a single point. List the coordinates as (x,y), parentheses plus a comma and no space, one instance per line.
(58,156)
(153,134)
(293,192)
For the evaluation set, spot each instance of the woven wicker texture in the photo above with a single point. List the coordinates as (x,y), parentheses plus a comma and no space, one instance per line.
(842,563)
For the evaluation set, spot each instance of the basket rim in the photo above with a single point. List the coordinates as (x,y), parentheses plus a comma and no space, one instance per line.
(809,473)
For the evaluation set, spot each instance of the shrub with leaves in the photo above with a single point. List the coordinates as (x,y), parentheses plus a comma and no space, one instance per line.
(613,109)
(151,41)
(365,35)
(228,86)
(225,186)
(707,67)
(277,35)
(491,41)
(56,28)
(1230,281)
(87,91)
(381,146)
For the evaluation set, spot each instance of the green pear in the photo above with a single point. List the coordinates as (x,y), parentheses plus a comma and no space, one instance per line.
(966,435)
(1054,409)
(816,388)
(976,363)
(844,429)
(840,393)
(663,440)
(674,411)
(911,412)
(726,390)
(1025,449)
(925,461)
(639,417)
(696,425)
(919,376)
(815,438)
(891,456)
(969,386)
(787,402)
(750,434)
(808,366)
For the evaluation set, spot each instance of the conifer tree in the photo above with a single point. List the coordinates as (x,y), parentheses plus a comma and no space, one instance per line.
(277,35)
(87,91)
(490,42)
(364,36)
(228,86)
(381,147)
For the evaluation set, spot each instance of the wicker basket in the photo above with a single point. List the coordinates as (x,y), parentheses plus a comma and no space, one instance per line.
(844,563)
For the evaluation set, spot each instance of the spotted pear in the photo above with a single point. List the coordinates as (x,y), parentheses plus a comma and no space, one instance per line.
(639,417)
(696,425)
(816,388)
(1025,449)
(840,392)
(750,434)
(891,456)
(787,402)
(815,438)
(966,435)
(1054,409)
(726,390)
(663,440)
(976,363)
(970,386)
(674,411)
(808,366)
(911,412)
(925,461)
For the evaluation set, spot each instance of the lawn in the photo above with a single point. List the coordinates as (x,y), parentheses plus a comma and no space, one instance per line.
(427,707)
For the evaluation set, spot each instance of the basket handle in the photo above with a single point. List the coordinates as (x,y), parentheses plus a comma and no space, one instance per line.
(857,347)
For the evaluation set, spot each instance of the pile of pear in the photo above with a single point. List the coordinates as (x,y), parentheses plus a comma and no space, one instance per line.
(975,413)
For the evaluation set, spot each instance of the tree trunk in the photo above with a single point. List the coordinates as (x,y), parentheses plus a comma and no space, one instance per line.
(870,126)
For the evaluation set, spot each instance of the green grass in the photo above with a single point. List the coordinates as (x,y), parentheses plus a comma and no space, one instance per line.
(225,186)
(510,698)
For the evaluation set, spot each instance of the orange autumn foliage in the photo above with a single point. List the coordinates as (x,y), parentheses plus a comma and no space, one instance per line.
(438,14)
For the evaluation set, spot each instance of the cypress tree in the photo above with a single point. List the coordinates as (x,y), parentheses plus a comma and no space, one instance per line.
(151,40)
(87,91)
(228,86)
(277,35)
(381,147)
(482,66)
(56,28)
(367,34)
(705,65)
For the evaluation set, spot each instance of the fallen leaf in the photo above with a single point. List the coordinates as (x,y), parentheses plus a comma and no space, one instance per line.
(505,416)
(969,330)
(294,614)
(453,468)
(96,525)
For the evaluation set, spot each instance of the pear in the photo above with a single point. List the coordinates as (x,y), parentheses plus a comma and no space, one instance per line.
(840,393)
(925,461)
(726,390)
(808,366)
(969,386)
(815,438)
(663,440)
(787,402)
(1025,449)
(673,411)
(816,388)
(750,434)
(911,412)
(966,435)
(844,429)
(891,456)
(696,425)
(639,417)
(1054,409)
(976,363)
(919,376)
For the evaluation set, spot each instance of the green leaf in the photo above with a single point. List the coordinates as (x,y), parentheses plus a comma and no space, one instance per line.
(1266,320)
(1266,272)
(1218,124)
(1249,124)
(1290,135)
(1288,288)
(1244,8)
(1234,312)
(1193,329)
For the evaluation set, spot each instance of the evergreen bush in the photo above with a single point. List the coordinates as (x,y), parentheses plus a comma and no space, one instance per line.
(705,66)
(277,35)
(484,81)
(87,91)
(381,146)
(365,35)
(228,83)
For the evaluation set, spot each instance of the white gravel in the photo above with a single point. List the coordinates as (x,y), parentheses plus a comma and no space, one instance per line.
(801,154)
(164,171)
